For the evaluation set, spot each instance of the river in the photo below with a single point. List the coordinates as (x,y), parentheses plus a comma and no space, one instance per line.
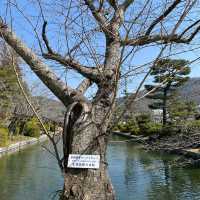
(32,174)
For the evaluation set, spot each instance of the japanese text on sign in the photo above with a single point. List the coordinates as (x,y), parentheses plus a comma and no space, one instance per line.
(83,161)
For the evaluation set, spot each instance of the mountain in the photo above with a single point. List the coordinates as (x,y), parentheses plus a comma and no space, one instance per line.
(50,108)
(190,91)
(46,108)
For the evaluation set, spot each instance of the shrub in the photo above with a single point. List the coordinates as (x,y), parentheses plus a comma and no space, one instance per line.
(47,126)
(129,126)
(132,127)
(17,130)
(122,127)
(182,110)
(142,125)
(115,128)
(150,128)
(143,118)
(192,127)
(3,137)
(134,130)
(32,128)
(146,126)
(170,129)
(155,128)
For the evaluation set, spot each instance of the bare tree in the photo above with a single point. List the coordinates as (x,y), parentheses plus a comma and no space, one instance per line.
(96,39)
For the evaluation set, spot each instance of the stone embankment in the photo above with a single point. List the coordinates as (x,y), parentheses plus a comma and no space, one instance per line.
(139,139)
(21,145)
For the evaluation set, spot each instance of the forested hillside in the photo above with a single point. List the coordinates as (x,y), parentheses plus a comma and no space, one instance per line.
(190,91)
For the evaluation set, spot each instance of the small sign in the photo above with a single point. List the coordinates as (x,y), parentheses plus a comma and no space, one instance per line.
(83,161)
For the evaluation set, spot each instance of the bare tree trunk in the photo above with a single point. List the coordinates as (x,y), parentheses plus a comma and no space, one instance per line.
(84,135)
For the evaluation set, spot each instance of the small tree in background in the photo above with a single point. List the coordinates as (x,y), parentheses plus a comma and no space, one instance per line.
(174,74)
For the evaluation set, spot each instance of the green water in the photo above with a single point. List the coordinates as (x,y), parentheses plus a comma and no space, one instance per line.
(32,174)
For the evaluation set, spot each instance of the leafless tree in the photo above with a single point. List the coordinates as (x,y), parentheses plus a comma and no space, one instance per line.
(97,39)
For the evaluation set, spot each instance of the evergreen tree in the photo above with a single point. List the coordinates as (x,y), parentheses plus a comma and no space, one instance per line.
(173,73)
(9,89)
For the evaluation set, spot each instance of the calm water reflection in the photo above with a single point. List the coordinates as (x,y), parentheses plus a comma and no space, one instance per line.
(31,174)
(136,175)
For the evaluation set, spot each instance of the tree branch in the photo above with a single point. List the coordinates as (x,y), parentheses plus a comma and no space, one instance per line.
(102,21)
(189,27)
(126,4)
(44,37)
(163,39)
(113,3)
(84,85)
(193,34)
(88,72)
(48,77)
(161,17)
(97,15)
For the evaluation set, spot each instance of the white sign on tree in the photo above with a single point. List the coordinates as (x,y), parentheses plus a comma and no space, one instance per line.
(83,161)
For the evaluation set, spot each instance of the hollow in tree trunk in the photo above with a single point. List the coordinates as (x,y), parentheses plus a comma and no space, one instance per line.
(84,133)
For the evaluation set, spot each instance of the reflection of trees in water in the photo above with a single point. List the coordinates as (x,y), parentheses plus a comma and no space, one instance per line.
(159,179)
(160,187)
(149,176)
(131,172)
(12,168)
(139,171)
(186,183)
(27,175)
(166,173)
(178,183)
(131,164)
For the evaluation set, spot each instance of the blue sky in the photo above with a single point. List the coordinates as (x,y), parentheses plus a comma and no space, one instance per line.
(24,31)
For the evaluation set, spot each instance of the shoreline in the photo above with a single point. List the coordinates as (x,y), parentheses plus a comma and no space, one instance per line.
(140,139)
(16,147)
(190,153)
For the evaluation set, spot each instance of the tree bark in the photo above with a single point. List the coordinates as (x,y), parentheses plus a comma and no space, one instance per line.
(84,135)
(85,132)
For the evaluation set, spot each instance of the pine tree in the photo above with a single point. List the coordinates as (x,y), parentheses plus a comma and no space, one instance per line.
(173,73)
